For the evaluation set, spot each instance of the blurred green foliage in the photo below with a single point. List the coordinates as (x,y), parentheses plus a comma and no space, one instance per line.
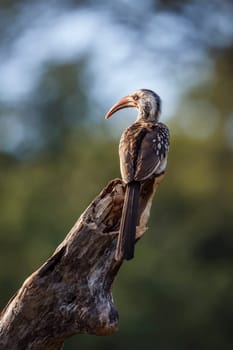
(177,292)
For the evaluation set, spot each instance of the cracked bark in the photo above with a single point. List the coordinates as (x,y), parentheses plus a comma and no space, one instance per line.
(71,292)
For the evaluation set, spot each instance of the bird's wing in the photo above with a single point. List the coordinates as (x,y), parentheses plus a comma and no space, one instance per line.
(152,153)
(128,150)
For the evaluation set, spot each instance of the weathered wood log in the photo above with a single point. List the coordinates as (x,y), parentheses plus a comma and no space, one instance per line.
(71,293)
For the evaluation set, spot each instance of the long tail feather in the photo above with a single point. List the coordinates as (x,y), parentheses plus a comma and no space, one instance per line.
(129,218)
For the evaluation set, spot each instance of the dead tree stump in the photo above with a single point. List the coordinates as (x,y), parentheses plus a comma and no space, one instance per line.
(71,293)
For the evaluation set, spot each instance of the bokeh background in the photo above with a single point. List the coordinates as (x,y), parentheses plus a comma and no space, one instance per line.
(62,65)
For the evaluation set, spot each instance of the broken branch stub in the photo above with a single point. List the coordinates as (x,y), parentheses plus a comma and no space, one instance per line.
(71,293)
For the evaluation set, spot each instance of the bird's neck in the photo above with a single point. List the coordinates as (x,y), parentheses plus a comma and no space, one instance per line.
(144,117)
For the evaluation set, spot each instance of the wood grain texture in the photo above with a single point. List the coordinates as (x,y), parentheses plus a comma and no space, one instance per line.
(71,292)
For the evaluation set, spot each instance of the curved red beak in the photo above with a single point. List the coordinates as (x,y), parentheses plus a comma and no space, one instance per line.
(125,102)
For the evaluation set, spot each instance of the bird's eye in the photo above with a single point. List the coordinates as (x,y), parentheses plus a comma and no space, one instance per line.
(135,97)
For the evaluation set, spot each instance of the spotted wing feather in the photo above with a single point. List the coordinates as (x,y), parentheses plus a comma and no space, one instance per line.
(152,156)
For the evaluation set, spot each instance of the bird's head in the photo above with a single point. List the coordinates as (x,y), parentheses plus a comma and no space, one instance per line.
(146,101)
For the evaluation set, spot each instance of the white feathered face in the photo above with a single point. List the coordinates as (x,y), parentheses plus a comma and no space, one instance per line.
(146,101)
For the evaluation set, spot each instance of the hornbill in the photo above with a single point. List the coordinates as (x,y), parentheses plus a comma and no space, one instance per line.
(143,151)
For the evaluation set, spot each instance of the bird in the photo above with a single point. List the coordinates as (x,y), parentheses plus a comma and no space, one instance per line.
(143,153)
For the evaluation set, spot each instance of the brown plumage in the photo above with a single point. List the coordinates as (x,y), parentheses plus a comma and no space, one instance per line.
(143,153)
